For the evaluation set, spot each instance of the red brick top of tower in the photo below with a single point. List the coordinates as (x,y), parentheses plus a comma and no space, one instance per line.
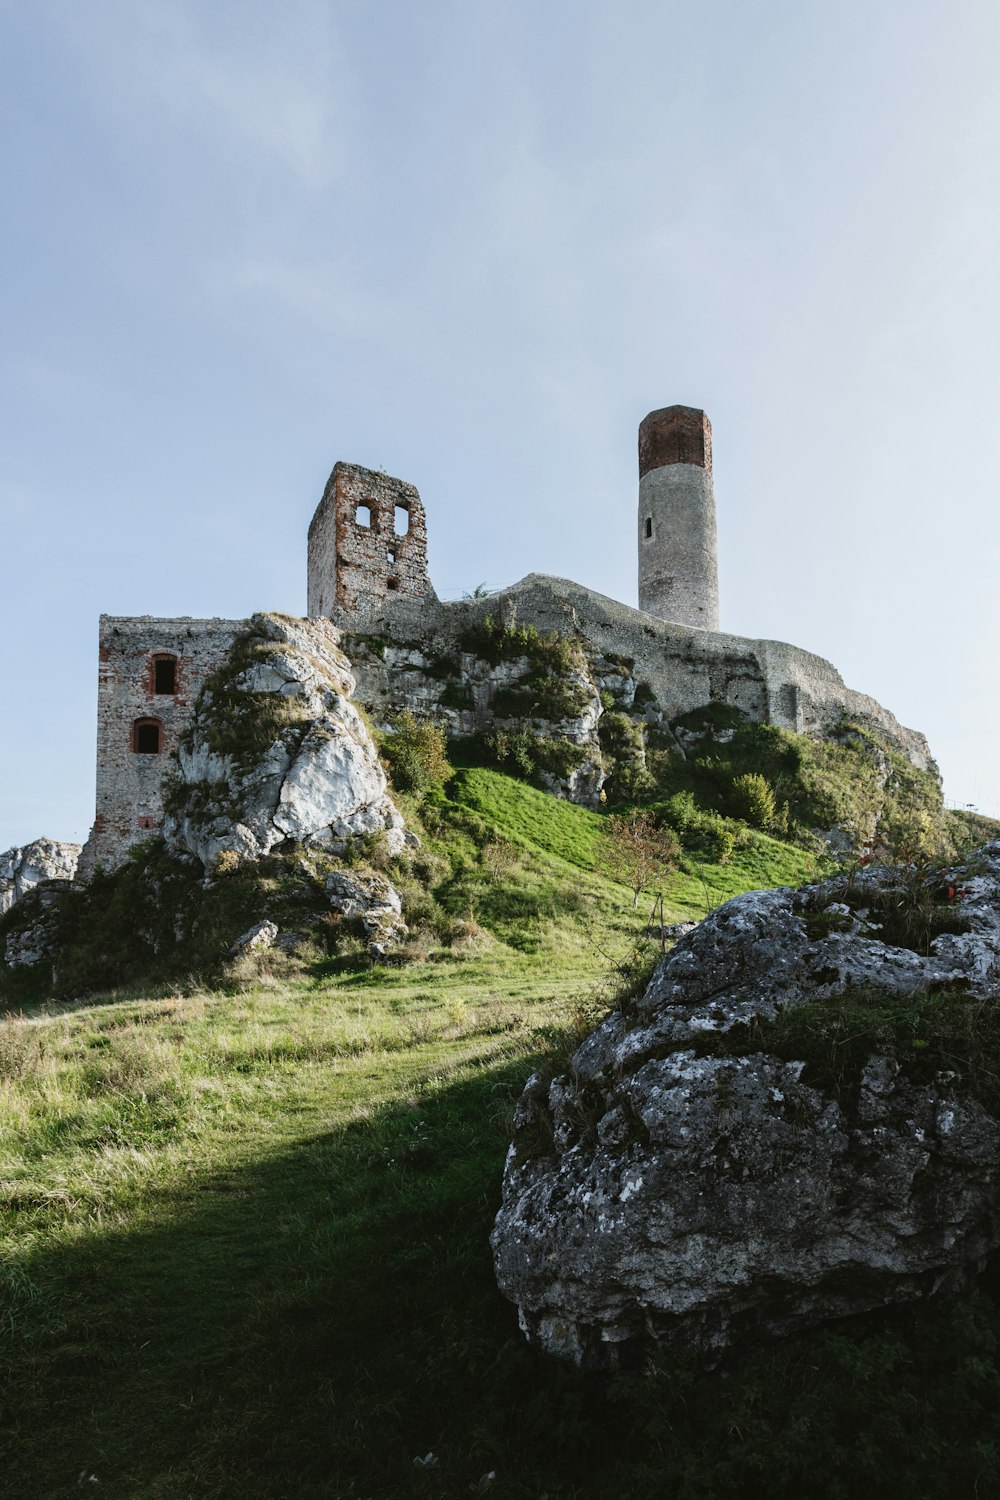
(675,435)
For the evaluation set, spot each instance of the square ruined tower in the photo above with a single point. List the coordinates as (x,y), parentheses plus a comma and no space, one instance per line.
(367,540)
(150,673)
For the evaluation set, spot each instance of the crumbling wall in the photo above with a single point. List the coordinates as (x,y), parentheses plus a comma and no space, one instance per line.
(407,657)
(367,542)
(130,774)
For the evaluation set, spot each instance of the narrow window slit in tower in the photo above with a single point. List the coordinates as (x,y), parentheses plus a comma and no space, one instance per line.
(649,526)
(390,555)
(402,520)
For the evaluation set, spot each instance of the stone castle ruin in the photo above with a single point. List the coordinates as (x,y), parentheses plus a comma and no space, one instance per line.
(678,557)
(368,577)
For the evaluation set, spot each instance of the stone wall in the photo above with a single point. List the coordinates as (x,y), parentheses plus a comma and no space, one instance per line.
(132,715)
(367,542)
(397,651)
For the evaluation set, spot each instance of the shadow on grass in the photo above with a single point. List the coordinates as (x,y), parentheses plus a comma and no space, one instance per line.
(312,1325)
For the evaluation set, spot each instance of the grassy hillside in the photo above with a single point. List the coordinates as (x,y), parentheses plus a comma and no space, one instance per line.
(244,1236)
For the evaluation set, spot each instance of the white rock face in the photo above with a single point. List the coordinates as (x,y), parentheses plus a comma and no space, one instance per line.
(258,937)
(665,1188)
(319,782)
(22,869)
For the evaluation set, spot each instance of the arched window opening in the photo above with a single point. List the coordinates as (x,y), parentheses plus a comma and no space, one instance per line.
(649,527)
(363,516)
(165,676)
(401,520)
(147,737)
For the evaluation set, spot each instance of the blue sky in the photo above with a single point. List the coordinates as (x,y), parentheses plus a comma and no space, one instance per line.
(474,244)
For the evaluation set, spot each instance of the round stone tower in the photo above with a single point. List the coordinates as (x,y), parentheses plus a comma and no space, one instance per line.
(678,560)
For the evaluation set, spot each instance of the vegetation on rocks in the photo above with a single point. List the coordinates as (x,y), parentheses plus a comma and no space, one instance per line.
(552,655)
(940,1031)
(852,784)
(239,724)
(521,752)
(798,785)
(415,752)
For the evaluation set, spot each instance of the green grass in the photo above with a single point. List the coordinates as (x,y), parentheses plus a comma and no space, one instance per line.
(243,1244)
(575,835)
(247,1255)
(531,817)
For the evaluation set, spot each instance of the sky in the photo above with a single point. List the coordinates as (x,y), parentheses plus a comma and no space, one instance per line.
(474,244)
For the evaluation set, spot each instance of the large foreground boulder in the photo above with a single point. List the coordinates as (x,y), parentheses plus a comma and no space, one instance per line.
(21,869)
(276,752)
(798,1120)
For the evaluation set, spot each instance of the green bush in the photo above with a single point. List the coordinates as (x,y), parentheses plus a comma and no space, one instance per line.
(702,831)
(552,653)
(629,783)
(416,753)
(522,753)
(755,800)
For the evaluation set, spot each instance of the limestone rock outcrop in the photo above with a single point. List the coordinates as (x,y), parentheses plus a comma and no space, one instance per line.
(375,901)
(21,869)
(276,751)
(256,939)
(686,1182)
(443,678)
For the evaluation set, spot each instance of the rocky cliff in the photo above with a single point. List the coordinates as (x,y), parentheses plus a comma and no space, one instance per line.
(22,869)
(798,1119)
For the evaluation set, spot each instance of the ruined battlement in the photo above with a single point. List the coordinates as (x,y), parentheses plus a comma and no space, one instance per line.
(367,541)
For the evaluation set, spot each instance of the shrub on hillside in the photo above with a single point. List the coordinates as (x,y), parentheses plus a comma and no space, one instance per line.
(638,850)
(755,800)
(416,753)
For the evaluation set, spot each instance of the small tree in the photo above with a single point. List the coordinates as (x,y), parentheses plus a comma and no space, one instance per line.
(499,857)
(637,850)
(755,800)
(417,754)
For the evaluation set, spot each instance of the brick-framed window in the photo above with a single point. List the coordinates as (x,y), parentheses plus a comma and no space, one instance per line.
(164,674)
(147,737)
